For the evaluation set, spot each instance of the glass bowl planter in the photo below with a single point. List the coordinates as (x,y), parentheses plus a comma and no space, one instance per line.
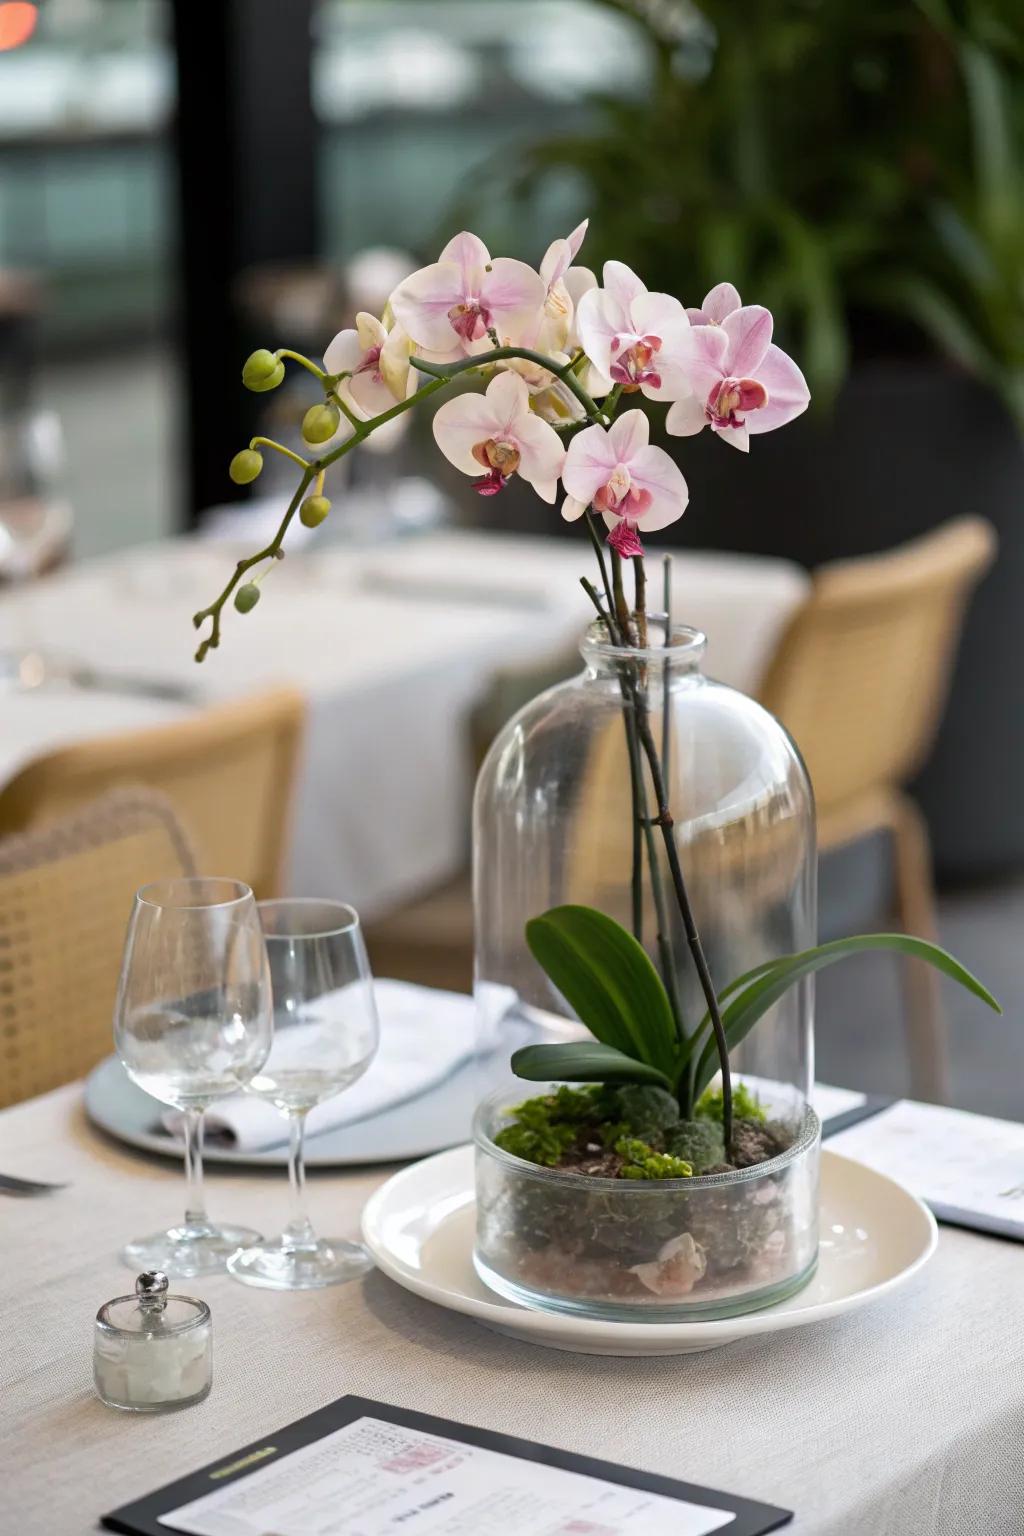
(628,1250)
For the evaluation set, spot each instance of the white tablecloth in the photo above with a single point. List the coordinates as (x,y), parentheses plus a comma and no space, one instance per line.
(903,1419)
(393,645)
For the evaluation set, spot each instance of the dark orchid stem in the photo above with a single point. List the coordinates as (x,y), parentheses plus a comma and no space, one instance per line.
(665,822)
(640,604)
(643,825)
(595,539)
(619,594)
(666,720)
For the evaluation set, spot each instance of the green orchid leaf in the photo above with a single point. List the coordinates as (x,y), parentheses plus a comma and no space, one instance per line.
(583,1061)
(775,979)
(607,977)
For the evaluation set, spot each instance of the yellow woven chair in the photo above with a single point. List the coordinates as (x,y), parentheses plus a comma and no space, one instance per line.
(229,772)
(66,893)
(860,680)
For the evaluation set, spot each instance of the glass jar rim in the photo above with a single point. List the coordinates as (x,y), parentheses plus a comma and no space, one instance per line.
(808,1133)
(165,1331)
(688,644)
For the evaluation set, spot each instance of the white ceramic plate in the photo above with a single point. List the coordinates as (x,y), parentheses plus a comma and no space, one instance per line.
(438,1118)
(419,1228)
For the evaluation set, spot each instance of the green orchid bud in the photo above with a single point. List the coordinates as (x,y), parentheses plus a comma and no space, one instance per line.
(247,597)
(320,423)
(245,466)
(313,511)
(262,371)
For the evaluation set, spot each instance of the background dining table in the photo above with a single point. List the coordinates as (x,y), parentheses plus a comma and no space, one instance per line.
(902,1419)
(393,643)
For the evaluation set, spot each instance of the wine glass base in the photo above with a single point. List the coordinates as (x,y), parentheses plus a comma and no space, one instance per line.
(185,1253)
(281,1268)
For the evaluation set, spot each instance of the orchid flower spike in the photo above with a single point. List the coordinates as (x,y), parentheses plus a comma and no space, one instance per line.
(739,383)
(636,487)
(632,337)
(498,434)
(466,295)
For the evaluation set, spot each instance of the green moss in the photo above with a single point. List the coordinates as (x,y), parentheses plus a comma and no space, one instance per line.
(640,1161)
(646,1111)
(698,1142)
(745,1105)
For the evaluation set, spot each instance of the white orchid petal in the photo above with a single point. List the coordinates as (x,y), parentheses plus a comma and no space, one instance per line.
(344,353)
(514,294)
(541,454)
(599,319)
(656,472)
(422,302)
(622,283)
(736,437)
(370,331)
(589,462)
(370,394)
(749,333)
(460,424)
(788,394)
(470,255)
(719,302)
(629,433)
(573,510)
(507,399)
(686,417)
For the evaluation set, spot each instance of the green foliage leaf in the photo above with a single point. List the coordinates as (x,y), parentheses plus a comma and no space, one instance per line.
(608,978)
(754,1000)
(583,1061)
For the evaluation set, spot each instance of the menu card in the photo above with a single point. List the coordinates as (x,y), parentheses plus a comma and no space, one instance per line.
(361,1468)
(968,1168)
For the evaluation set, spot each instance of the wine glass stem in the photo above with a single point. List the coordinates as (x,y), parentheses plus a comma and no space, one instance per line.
(196,1220)
(299,1231)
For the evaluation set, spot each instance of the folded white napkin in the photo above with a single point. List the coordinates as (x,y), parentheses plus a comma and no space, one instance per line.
(425,1036)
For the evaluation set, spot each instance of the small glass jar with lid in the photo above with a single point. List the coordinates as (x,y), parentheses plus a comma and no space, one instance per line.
(152,1351)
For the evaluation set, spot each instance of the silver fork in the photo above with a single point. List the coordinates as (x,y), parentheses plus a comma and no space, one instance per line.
(9,1185)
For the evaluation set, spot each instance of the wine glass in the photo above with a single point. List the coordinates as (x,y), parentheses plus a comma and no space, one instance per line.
(192,1024)
(325,1036)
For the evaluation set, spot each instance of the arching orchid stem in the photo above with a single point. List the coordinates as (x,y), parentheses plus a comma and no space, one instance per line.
(304,362)
(346,410)
(268,442)
(506,354)
(213,612)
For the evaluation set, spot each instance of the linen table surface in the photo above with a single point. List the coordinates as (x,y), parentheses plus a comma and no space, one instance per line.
(903,1419)
(393,644)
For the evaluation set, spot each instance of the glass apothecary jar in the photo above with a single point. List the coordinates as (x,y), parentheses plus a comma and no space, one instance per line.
(558,819)
(152,1351)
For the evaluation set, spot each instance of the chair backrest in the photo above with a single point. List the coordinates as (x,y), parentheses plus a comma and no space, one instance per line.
(228,771)
(66,894)
(860,676)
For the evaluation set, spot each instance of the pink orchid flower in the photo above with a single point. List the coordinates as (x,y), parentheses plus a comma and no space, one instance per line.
(718,302)
(376,362)
(498,433)
(465,295)
(635,486)
(632,337)
(739,382)
(555,320)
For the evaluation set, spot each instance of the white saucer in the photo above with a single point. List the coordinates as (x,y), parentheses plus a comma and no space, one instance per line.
(419,1228)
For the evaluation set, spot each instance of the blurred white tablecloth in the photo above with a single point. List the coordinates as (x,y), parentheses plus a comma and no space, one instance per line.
(392,644)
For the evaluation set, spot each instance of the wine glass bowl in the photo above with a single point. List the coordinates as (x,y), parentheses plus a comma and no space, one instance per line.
(192,1024)
(325,1036)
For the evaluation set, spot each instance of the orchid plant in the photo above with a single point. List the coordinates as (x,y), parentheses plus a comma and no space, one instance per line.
(556,352)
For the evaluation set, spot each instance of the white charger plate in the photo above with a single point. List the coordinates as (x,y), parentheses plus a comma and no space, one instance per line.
(440,1117)
(419,1226)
